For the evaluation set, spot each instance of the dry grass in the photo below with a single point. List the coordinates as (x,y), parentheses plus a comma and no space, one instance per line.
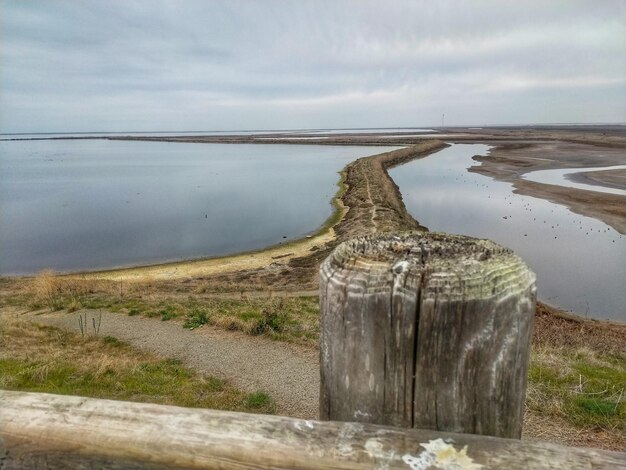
(49,290)
(577,381)
(294,319)
(577,374)
(576,397)
(557,329)
(44,359)
(374,201)
(539,427)
(56,292)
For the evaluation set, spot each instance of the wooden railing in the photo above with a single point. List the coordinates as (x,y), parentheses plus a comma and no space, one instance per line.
(63,432)
(428,333)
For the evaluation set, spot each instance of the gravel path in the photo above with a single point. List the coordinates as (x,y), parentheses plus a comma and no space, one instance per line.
(288,373)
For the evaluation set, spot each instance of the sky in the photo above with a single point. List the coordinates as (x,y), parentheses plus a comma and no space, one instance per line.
(82,65)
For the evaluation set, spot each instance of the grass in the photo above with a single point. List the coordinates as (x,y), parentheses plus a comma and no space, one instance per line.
(285,319)
(577,377)
(258,400)
(584,388)
(195,319)
(291,319)
(45,359)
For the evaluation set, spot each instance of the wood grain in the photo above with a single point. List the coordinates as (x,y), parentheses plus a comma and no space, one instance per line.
(426,330)
(66,432)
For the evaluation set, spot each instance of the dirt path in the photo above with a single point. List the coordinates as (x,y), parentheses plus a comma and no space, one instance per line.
(371,201)
(289,374)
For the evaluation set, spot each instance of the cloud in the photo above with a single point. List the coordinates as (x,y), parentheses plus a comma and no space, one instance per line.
(181,65)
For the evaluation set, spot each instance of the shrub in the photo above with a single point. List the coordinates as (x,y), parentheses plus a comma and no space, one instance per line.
(113,341)
(48,290)
(74,305)
(259,400)
(195,319)
(166,314)
(272,320)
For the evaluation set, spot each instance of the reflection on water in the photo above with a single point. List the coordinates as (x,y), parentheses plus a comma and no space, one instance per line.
(580,262)
(86,204)
(560,178)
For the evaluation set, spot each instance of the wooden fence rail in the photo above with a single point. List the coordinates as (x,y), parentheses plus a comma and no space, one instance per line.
(59,432)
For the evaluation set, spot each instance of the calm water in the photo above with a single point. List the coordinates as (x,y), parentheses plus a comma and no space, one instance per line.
(377,130)
(430,135)
(580,262)
(86,204)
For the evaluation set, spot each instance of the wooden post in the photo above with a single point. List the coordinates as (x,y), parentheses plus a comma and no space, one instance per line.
(426,330)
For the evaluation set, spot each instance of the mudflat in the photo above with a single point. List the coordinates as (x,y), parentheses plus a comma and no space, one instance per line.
(508,161)
(610,178)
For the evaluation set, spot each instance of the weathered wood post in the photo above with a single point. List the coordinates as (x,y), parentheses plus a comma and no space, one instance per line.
(426,330)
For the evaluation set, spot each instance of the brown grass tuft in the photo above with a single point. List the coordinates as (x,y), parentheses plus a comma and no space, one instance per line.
(47,289)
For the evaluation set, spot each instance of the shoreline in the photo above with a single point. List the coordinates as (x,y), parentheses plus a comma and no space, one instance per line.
(367,200)
(332,231)
(615,179)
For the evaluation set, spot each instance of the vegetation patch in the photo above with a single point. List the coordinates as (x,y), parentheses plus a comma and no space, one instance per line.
(196,318)
(44,359)
(258,400)
(294,319)
(577,372)
(584,388)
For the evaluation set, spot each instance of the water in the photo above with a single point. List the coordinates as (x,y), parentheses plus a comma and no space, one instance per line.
(560,178)
(289,138)
(91,204)
(580,261)
(365,130)
(52,135)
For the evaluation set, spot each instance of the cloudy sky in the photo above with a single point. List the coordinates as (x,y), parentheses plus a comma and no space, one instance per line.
(221,65)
